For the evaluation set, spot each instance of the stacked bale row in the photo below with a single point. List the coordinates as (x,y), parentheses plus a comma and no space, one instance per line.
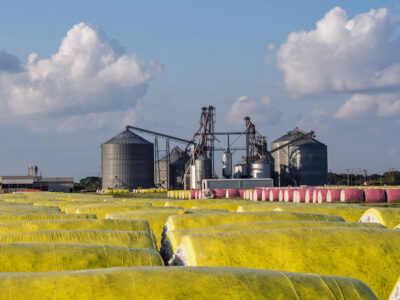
(313,195)
(312,239)
(63,233)
(36,235)
(298,195)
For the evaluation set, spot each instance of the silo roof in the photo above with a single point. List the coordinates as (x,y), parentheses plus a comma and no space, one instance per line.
(127,137)
(296,133)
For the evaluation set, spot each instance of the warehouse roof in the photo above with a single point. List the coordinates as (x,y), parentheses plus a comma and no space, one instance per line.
(16,179)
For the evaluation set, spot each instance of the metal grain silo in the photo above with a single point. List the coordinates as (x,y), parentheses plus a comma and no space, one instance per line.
(303,162)
(127,161)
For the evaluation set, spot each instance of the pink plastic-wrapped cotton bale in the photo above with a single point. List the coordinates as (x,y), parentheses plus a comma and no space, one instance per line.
(322,196)
(352,195)
(220,193)
(375,195)
(309,196)
(333,195)
(315,196)
(274,195)
(265,195)
(192,194)
(299,196)
(241,193)
(251,195)
(231,193)
(281,195)
(257,194)
(288,195)
(393,195)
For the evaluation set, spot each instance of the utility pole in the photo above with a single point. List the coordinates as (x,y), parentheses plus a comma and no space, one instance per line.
(348,179)
(365,177)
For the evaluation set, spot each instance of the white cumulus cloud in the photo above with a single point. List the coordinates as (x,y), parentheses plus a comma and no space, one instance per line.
(263,111)
(317,119)
(342,55)
(364,105)
(89,74)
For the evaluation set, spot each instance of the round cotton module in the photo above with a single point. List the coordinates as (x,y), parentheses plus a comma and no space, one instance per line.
(288,195)
(231,193)
(299,196)
(192,194)
(257,194)
(281,196)
(322,196)
(352,195)
(333,195)
(375,195)
(315,196)
(220,193)
(393,195)
(274,195)
(309,196)
(241,193)
(265,195)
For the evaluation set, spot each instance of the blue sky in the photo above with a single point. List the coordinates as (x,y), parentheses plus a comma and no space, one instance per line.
(234,55)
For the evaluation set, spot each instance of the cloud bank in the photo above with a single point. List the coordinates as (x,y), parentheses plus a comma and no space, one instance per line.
(263,111)
(90,74)
(342,55)
(362,105)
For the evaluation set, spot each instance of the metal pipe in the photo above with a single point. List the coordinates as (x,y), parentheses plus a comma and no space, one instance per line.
(169,137)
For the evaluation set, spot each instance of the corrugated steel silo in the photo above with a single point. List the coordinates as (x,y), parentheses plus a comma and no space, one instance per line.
(304,162)
(127,161)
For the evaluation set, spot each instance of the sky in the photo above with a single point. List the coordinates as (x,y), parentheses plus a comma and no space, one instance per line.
(74,73)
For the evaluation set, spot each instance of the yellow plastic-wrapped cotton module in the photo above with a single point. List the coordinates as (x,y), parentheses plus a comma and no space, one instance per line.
(133,239)
(232,205)
(387,216)
(177,222)
(37,217)
(190,203)
(102,211)
(204,210)
(101,208)
(349,212)
(155,217)
(29,209)
(172,241)
(370,255)
(180,283)
(64,257)
(88,224)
